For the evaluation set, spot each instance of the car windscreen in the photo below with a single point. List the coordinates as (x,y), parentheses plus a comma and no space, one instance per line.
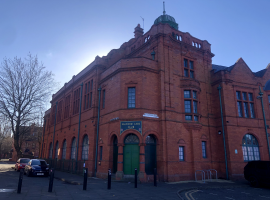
(24,160)
(39,162)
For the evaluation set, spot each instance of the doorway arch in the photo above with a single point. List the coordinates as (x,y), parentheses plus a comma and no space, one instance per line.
(131,154)
(150,154)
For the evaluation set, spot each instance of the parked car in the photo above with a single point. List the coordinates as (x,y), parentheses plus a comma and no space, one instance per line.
(257,172)
(36,167)
(21,162)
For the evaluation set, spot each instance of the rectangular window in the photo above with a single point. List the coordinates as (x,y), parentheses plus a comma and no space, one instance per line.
(185,63)
(239,105)
(246,109)
(103,99)
(181,153)
(90,99)
(251,106)
(194,106)
(131,97)
(195,118)
(244,96)
(186,72)
(100,152)
(250,97)
(191,64)
(187,106)
(53,115)
(67,107)
(191,74)
(76,101)
(194,95)
(238,95)
(186,93)
(204,149)
(188,117)
(59,112)
(269,98)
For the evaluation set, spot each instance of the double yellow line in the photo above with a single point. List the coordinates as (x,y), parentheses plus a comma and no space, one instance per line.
(189,194)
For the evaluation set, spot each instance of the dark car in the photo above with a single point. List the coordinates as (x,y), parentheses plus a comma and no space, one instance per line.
(257,172)
(36,167)
(21,162)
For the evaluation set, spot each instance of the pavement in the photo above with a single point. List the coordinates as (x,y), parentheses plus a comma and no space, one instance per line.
(70,186)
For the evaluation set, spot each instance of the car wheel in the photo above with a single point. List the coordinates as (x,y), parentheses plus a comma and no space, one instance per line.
(254,182)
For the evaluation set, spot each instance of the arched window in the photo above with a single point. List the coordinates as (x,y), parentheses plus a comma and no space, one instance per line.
(73,148)
(150,139)
(132,139)
(250,148)
(85,148)
(64,149)
(56,150)
(50,151)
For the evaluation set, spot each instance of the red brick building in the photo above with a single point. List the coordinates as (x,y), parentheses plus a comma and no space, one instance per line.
(159,107)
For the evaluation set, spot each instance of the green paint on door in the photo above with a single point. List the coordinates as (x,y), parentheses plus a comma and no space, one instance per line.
(131,158)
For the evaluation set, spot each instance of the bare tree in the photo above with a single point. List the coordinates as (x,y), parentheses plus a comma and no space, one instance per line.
(25,87)
(5,133)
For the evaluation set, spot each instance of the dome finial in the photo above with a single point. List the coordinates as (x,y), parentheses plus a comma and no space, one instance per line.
(164,12)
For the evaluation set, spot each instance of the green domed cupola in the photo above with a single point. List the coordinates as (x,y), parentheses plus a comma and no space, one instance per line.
(166,19)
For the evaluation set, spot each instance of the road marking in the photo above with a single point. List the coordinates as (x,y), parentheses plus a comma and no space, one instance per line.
(229,198)
(212,193)
(245,193)
(189,194)
(265,197)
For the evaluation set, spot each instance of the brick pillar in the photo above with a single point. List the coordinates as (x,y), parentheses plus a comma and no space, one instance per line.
(119,174)
(142,174)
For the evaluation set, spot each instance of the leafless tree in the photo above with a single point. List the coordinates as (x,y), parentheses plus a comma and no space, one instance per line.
(25,87)
(5,134)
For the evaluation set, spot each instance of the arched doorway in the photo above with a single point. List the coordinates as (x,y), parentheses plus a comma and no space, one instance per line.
(131,154)
(115,154)
(150,154)
(250,147)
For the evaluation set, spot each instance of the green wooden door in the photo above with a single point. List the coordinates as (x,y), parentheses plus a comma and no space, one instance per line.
(131,158)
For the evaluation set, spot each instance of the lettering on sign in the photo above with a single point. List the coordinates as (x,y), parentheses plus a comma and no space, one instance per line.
(136,125)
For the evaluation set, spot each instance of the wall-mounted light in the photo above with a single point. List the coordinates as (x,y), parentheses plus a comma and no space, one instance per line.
(219,132)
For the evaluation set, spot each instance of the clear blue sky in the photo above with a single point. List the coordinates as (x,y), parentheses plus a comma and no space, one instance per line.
(67,35)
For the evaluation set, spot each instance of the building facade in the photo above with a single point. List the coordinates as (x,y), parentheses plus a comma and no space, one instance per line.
(154,103)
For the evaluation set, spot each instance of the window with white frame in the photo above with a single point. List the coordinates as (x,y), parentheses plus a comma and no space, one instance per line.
(181,153)
(250,148)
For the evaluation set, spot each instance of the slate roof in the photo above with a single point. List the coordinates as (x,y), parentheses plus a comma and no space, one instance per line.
(218,68)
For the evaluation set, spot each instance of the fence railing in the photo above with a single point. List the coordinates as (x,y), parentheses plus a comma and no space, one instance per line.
(71,166)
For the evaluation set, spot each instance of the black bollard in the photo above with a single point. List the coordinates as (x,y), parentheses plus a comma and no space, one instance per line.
(135,177)
(20,181)
(85,178)
(51,180)
(155,177)
(109,179)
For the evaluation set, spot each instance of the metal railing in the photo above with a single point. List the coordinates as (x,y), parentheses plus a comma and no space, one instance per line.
(208,172)
(202,173)
(71,166)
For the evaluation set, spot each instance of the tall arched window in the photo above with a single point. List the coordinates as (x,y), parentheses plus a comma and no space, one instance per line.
(85,148)
(73,148)
(64,149)
(50,151)
(56,150)
(250,148)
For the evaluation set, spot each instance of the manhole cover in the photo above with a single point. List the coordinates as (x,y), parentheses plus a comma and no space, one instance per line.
(7,190)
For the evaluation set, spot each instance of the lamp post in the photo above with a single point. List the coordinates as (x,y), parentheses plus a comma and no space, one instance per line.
(223,133)
(265,126)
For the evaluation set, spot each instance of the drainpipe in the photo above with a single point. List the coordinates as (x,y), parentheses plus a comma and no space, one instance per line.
(265,126)
(99,91)
(54,127)
(43,137)
(76,166)
(223,133)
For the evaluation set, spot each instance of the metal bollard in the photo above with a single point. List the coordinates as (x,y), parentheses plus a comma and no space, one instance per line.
(51,180)
(109,179)
(135,177)
(20,181)
(85,178)
(155,177)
